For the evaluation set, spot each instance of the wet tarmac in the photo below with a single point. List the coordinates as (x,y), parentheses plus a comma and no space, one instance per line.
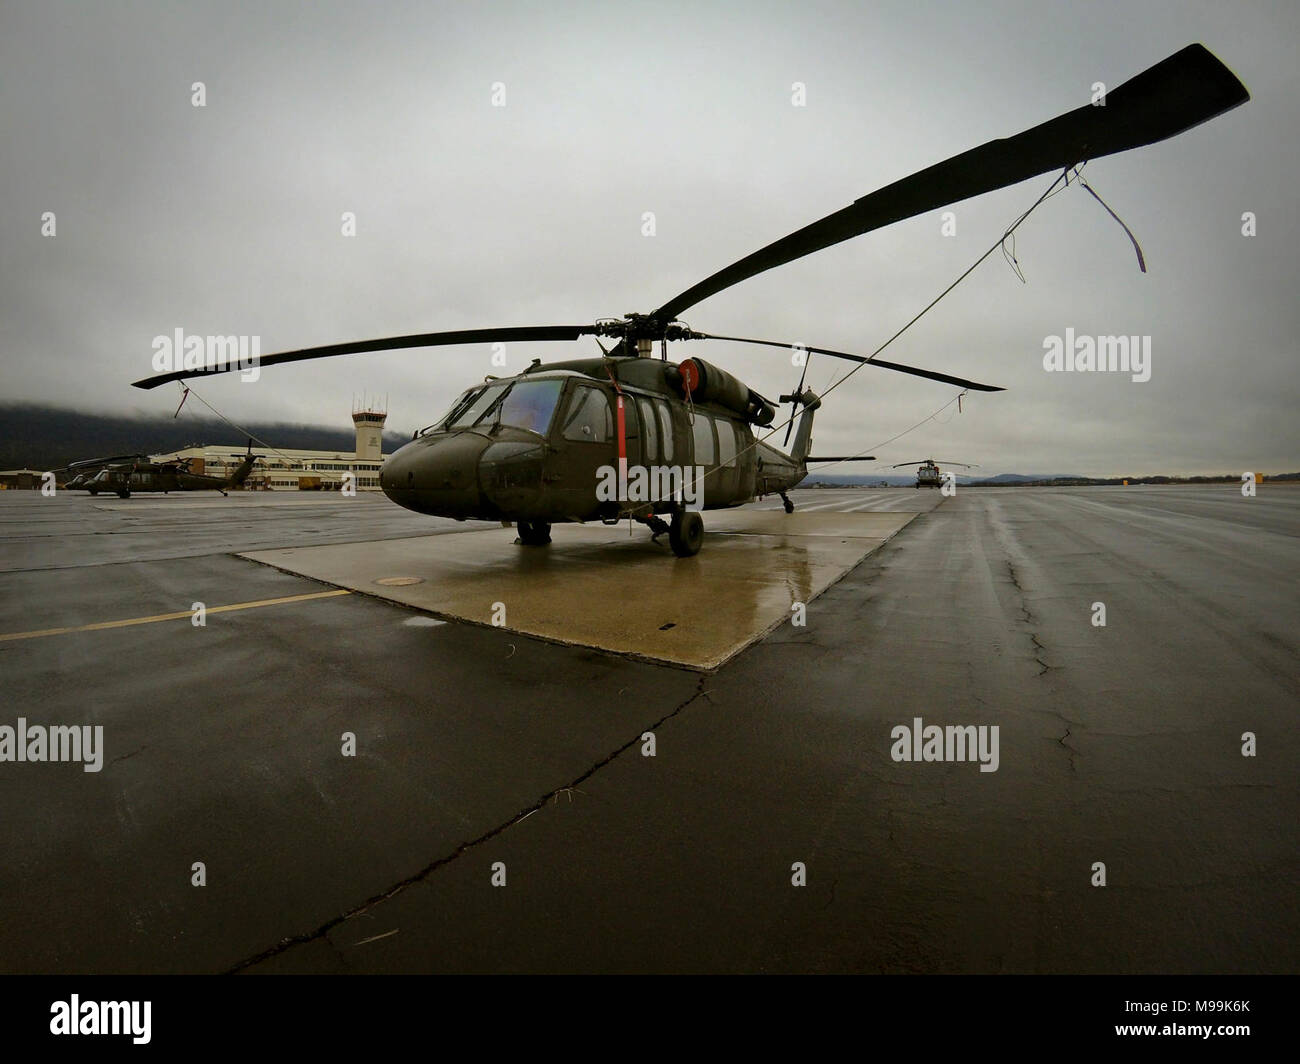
(608,586)
(484,754)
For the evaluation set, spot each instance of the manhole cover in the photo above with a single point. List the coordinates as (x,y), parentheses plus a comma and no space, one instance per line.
(399,581)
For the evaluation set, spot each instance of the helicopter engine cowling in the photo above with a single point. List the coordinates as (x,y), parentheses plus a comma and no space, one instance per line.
(704,382)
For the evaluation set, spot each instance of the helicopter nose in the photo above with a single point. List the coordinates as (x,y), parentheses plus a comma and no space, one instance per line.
(436,475)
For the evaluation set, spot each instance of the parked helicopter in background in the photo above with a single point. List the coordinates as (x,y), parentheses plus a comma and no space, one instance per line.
(628,436)
(88,470)
(928,474)
(124,474)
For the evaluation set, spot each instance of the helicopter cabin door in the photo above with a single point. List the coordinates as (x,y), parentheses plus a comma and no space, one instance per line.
(584,448)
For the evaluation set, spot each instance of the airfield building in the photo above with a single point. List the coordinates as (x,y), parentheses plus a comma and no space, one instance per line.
(295,469)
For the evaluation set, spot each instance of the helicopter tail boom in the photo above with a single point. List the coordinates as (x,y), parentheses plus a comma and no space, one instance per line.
(244,468)
(803,431)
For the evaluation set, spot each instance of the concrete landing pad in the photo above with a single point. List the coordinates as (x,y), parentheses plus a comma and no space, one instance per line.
(597,586)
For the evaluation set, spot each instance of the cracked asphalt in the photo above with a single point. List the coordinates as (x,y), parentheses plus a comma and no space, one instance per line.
(482,753)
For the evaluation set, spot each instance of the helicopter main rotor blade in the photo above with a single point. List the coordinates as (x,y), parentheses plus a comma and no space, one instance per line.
(103,461)
(929,374)
(1188,88)
(525,334)
(927,461)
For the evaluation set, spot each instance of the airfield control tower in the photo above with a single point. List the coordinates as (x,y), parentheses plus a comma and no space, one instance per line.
(370,432)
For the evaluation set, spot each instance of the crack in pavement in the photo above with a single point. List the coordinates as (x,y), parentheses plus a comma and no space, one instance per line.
(123,757)
(1028,618)
(323,930)
(1070,725)
(1072,750)
(1038,646)
(1043,667)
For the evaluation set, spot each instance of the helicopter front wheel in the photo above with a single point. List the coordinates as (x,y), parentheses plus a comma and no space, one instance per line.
(533,533)
(686,533)
(123,494)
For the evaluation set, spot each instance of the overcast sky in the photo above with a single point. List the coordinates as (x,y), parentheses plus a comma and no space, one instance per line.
(226,219)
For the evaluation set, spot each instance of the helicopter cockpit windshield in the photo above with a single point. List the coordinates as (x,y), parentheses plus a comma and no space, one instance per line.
(461,401)
(469,412)
(523,405)
(529,405)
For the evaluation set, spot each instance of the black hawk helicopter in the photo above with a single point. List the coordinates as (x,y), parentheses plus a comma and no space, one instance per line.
(627,435)
(127,473)
(928,474)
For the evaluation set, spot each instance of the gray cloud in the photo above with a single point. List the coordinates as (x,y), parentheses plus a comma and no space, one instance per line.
(226,219)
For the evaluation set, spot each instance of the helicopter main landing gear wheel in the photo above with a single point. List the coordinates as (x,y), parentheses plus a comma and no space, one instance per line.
(123,494)
(533,533)
(785,501)
(686,533)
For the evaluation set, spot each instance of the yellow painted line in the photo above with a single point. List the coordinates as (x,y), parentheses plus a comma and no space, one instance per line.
(173,616)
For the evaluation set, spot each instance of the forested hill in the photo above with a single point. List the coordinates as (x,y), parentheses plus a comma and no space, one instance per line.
(45,437)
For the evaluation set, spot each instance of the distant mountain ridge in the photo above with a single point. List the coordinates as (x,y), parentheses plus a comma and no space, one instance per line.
(37,436)
(1020,478)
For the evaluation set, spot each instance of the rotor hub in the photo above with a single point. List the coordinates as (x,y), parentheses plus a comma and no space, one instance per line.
(633,327)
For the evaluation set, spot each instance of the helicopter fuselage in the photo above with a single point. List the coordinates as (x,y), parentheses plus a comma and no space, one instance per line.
(592,439)
(133,480)
(928,476)
(126,479)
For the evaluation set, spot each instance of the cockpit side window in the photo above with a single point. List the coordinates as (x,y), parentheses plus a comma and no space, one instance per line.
(589,419)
